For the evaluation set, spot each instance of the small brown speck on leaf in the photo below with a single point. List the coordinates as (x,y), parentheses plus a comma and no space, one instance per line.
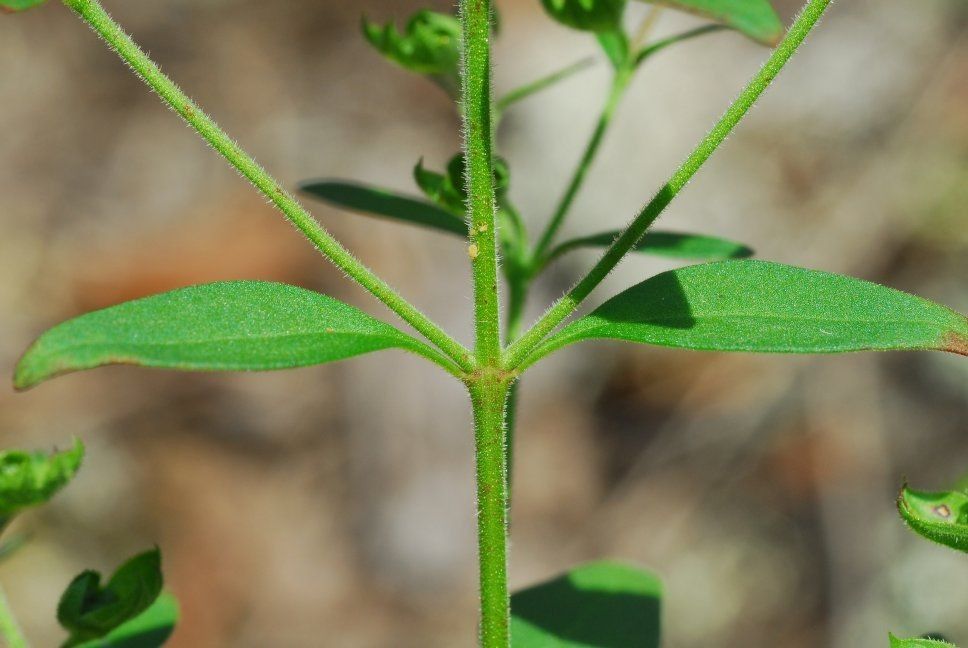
(943,511)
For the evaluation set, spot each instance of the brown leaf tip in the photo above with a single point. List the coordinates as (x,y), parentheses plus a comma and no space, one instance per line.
(955,342)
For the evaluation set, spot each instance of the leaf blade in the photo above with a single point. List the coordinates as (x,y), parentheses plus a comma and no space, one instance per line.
(603,604)
(374,201)
(89,611)
(941,517)
(14,6)
(225,326)
(764,307)
(673,245)
(754,18)
(31,479)
(150,629)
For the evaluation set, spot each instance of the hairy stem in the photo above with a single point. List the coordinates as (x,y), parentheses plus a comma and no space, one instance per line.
(802,26)
(489,397)
(619,84)
(94,14)
(476,98)
(9,629)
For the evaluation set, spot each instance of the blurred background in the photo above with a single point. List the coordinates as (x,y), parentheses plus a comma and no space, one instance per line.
(333,506)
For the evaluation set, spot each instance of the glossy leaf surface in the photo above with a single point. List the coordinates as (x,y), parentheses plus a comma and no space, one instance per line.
(150,629)
(19,5)
(587,15)
(227,326)
(384,203)
(600,605)
(31,478)
(764,307)
(89,610)
(919,643)
(674,245)
(941,517)
(755,18)
(430,44)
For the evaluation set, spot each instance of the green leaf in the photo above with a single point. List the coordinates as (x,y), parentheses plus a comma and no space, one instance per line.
(89,611)
(429,45)
(150,629)
(384,203)
(919,643)
(32,478)
(600,605)
(11,6)
(616,45)
(227,326)
(765,307)
(448,189)
(587,15)
(672,245)
(940,516)
(755,18)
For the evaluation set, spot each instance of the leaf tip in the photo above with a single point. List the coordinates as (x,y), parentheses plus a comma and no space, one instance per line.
(956,342)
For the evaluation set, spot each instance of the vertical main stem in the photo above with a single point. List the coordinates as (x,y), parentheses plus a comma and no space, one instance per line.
(477,99)
(489,397)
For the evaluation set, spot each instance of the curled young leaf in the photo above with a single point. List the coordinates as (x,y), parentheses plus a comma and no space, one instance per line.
(429,45)
(31,478)
(587,15)
(598,604)
(941,517)
(150,629)
(764,307)
(384,203)
(89,610)
(897,642)
(225,326)
(449,190)
(755,18)
(11,6)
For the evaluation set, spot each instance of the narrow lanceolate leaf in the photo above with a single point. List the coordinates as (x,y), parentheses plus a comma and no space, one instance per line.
(919,643)
(31,478)
(150,629)
(755,18)
(383,203)
(449,189)
(587,15)
(228,326)
(11,6)
(602,604)
(693,247)
(89,610)
(941,517)
(764,307)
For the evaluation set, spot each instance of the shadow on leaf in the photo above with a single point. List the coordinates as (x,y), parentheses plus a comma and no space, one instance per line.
(601,605)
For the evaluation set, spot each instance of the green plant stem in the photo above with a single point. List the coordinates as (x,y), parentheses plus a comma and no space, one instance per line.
(489,397)
(94,14)
(802,26)
(9,628)
(476,99)
(620,82)
(525,91)
(517,299)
